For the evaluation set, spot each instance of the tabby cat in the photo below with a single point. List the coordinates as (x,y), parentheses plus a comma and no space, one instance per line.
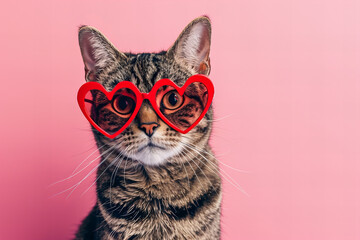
(164,184)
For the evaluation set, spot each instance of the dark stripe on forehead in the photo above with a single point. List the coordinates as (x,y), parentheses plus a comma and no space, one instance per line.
(148,69)
(140,69)
(156,74)
(136,77)
(157,70)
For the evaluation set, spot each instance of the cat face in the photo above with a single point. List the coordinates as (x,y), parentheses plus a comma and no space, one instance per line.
(148,140)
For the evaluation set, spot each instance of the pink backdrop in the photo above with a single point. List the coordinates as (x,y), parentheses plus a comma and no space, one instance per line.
(286,76)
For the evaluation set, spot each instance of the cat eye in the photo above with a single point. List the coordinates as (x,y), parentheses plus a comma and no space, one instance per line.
(181,108)
(123,104)
(172,100)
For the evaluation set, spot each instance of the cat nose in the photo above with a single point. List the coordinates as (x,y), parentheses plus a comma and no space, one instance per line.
(149,128)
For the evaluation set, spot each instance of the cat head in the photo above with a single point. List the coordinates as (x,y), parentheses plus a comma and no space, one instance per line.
(149,140)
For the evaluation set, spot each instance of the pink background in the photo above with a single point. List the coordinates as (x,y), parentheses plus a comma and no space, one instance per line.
(286,76)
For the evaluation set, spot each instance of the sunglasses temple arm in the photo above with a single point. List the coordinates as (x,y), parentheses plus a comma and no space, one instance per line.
(89,101)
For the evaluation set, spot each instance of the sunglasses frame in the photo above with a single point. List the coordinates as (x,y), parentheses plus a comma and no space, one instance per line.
(140,97)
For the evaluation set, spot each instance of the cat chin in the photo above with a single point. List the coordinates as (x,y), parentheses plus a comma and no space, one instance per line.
(154,156)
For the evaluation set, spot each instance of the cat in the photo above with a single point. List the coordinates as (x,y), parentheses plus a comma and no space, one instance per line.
(164,185)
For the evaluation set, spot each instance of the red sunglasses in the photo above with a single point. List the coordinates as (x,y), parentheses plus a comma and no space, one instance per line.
(179,107)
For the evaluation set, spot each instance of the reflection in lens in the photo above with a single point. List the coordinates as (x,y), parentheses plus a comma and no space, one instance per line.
(110,115)
(183,111)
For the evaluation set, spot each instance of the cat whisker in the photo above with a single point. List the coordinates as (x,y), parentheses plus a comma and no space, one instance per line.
(194,148)
(183,154)
(76,185)
(187,175)
(125,172)
(97,149)
(91,146)
(208,153)
(199,167)
(221,128)
(224,174)
(74,174)
(113,176)
(219,119)
(99,175)
(221,162)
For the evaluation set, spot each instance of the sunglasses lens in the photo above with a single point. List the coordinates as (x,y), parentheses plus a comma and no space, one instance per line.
(182,110)
(110,115)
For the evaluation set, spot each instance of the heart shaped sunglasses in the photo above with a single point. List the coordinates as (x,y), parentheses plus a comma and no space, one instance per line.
(179,107)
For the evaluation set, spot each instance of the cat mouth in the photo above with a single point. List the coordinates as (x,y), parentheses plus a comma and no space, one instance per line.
(150,145)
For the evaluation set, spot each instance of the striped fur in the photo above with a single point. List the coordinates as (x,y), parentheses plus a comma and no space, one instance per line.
(172,192)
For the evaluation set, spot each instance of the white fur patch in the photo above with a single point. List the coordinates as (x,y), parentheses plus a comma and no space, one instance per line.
(156,156)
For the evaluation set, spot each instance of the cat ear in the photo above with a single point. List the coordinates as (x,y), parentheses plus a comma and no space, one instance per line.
(97,52)
(193,45)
